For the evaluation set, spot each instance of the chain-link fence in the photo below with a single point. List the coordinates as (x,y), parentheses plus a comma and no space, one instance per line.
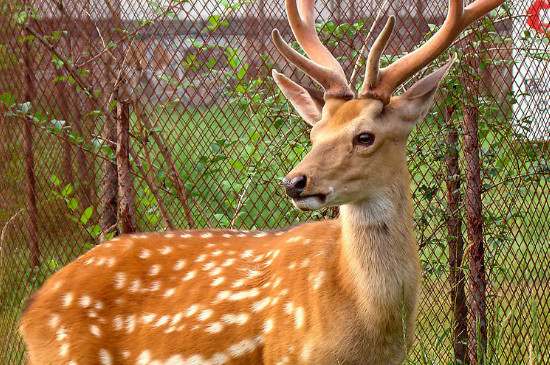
(121,116)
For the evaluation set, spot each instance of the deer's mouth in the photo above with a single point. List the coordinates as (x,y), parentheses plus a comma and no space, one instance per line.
(310,202)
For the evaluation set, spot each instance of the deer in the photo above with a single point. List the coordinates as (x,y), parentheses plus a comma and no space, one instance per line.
(340,291)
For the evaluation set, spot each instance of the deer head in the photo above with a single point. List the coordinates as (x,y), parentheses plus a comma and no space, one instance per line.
(359,140)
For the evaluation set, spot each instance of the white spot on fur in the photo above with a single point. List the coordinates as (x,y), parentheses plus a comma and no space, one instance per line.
(54,321)
(215,327)
(111,262)
(101,261)
(217,253)
(305,263)
(154,270)
(120,280)
(319,280)
(165,250)
(294,239)
(161,321)
(169,292)
(185,235)
(242,348)
(217,281)
(201,258)
(85,301)
(64,349)
(145,253)
(98,305)
(292,265)
(306,352)
(215,271)
(117,323)
(226,235)
(176,318)
(125,354)
(247,253)
(169,235)
(61,334)
(144,358)
(268,325)
(217,359)
(130,323)
(155,285)
(258,258)
(299,317)
(208,266)
(239,319)
(148,318)
(105,357)
(95,330)
(205,314)
(134,287)
(261,304)
(179,265)
(288,307)
(238,283)
(206,235)
(192,310)
(277,282)
(244,294)
(261,234)
(67,299)
(253,273)
(190,275)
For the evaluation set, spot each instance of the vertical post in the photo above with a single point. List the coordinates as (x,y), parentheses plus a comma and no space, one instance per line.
(455,241)
(108,219)
(30,187)
(126,196)
(477,343)
(72,120)
(477,338)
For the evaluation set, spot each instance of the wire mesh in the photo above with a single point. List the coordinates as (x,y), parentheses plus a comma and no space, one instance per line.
(210,138)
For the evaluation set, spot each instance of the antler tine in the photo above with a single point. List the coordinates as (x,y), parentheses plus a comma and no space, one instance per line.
(458,18)
(323,66)
(373,61)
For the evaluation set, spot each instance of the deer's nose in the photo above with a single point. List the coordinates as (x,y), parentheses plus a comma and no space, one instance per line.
(295,186)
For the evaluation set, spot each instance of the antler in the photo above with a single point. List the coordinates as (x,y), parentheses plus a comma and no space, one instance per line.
(322,66)
(381,83)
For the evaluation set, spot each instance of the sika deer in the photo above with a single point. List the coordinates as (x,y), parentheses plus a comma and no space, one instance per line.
(331,292)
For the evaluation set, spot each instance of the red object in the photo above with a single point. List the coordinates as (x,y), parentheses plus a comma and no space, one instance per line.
(533,13)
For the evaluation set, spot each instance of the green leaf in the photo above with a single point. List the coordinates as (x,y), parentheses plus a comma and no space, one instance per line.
(55,180)
(86,215)
(72,204)
(67,190)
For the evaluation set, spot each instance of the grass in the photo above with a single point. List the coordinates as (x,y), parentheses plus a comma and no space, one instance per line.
(232,161)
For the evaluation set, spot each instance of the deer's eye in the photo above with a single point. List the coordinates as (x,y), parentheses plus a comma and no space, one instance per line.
(364,139)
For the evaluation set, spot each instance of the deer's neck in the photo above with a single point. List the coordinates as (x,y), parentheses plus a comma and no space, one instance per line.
(379,257)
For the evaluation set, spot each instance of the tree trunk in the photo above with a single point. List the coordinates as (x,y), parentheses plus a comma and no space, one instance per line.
(125,181)
(30,186)
(474,223)
(456,241)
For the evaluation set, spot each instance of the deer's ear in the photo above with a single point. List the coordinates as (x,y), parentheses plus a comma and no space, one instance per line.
(414,103)
(307,101)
